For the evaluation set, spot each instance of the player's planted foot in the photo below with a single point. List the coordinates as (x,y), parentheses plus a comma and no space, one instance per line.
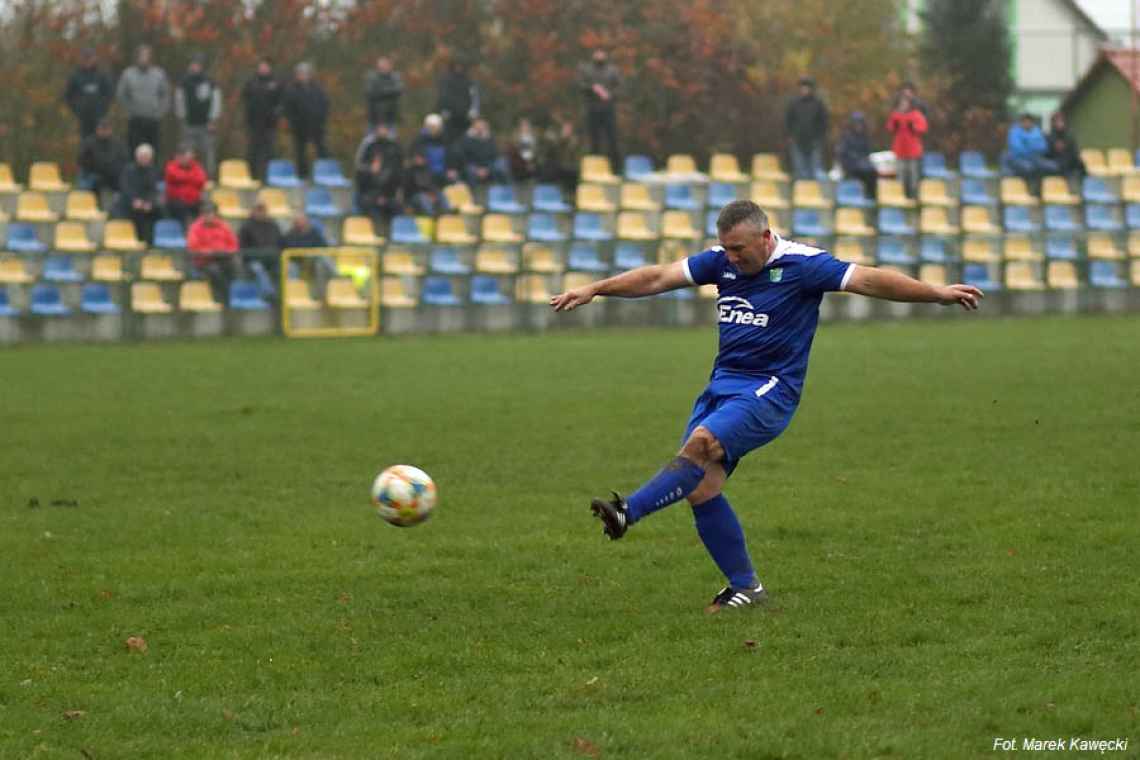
(737,597)
(613,514)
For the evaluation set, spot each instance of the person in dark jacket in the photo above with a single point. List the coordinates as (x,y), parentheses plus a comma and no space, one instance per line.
(88,94)
(559,153)
(307,110)
(430,145)
(855,154)
(806,121)
(382,91)
(138,192)
(302,234)
(101,161)
(378,190)
(476,156)
(1063,148)
(379,141)
(599,81)
(458,101)
(198,105)
(260,241)
(421,191)
(261,97)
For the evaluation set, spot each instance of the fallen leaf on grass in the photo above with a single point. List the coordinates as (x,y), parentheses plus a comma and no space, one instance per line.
(73,714)
(105,595)
(1011,552)
(750,644)
(227,714)
(819,711)
(344,597)
(136,644)
(586,747)
(296,731)
(592,681)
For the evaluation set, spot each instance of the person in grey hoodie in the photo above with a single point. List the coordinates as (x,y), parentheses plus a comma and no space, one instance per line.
(144,93)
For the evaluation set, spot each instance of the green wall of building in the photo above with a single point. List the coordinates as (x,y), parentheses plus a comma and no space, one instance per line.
(1101,117)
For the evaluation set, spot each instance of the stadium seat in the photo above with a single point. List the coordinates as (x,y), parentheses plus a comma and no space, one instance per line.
(541,258)
(452,230)
(439,291)
(486,290)
(850,221)
(459,197)
(195,296)
(723,167)
(807,193)
(1096,190)
(710,223)
(974,193)
(935,220)
(119,235)
(776,221)
(146,298)
(893,250)
(1130,189)
(588,226)
(1019,248)
(72,237)
(445,260)
(276,202)
(1134,244)
(398,261)
(629,256)
(891,193)
(234,175)
(404,230)
(767,195)
(107,268)
(394,294)
(531,288)
(682,294)
(1055,191)
(1132,215)
(297,295)
(60,269)
(1018,219)
(82,206)
(502,199)
(893,221)
(637,167)
(681,164)
(1120,162)
(851,193)
(1014,192)
(1105,274)
(245,295)
(596,169)
(848,249)
(1060,247)
(634,225)
(1101,217)
(319,203)
(934,165)
(592,197)
(720,194)
(1062,275)
(44,177)
(1058,219)
(1022,275)
(636,197)
(341,293)
(6,308)
(32,206)
(327,173)
(978,275)
(13,271)
(281,172)
(1095,163)
(933,192)
(980,250)
(678,225)
(767,166)
(670,250)
(229,204)
(972,164)
(8,183)
(47,301)
(680,195)
(493,259)
(160,268)
(932,249)
(544,228)
(168,235)
(497,228)
(809,222)
(935,274)
(548,198)
(358,230)
(584,257)
(976,221)
(1100,245)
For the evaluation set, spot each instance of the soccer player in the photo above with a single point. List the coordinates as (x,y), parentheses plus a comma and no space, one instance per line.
(769,291)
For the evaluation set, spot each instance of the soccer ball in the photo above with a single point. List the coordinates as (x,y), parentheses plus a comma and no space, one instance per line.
(403,495)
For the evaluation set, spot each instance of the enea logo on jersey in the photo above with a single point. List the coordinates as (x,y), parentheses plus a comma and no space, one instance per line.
(732,310)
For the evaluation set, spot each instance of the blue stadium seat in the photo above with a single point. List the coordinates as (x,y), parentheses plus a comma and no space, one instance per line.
(22,238)
(1018,219)
(629,256)
(934,165)
(1059,219)
(485,289)
(61,269)
(47,302)
(893,250)
(973,164)
(97,299)
(1061,247)
(978,275)
(1096,190)
(543,227)
(6,308)
(588,226)
(1104,274)
(501,199)
(720,194)
(638,167)
(246,296)
(549,198)
(282,173)
(850,192)
(405,230)
(327,173)
(1100,217)
(1132,215)
(319,202)
(807,221)
(439,291)
(974,193)
(446,260)
(168,235)
(584,257)
(933,250)
(710,222)
(681,294)
(679,195)
(893,221)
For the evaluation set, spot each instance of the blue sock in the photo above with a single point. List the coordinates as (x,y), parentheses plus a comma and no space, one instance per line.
(724,538)
(674,482)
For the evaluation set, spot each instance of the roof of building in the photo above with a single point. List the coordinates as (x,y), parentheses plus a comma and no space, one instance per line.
(1085,17)
(1125,62)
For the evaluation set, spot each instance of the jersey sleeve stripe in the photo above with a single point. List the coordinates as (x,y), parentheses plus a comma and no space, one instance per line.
(847,276)
(688,273)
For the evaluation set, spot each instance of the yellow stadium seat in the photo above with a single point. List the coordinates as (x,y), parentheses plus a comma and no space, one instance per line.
(497,229)
(678,225)
(13,271)
(82,207)
(452,229)
(597,169)
(723,167)
(681,163)
(146,298)
(573,280)
(635,196)
(8,183)
(341,293)
(531,288)
(195,296)
(1055,191)
(234,174)
(767,166)
(229,203)
(776,222)
(592,197)
(850,221)
(980,250)
(933,192)
(357,230)
(1095,162)
(935,274)
(297,296)
(1102,246)
(1062,275)
(1020,248)
(892,193)
(538,257)
(401,262)
(72,237)
(160,268)
(807,193)
(393,294)
(1134,243)
(767,195)
(634,225)
(119,235)
(933,220)
(460,198)
(1134,268)
(107,268)
(495,260)
(976,221)
(44,177)
(1130,188)
(1120,162)
(847,249)
(276,202)
(1022,275)
(32,206)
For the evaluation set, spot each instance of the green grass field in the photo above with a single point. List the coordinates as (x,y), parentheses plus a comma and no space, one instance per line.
(949,530)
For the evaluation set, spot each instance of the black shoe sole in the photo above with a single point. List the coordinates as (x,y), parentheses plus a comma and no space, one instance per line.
(604,511)
(760,601)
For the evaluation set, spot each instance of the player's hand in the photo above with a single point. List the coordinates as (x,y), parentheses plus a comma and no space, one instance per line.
(572,299)
(966,295)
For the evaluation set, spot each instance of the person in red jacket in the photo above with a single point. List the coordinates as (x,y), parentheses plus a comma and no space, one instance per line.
(213,250)
(908,125)
(185,179)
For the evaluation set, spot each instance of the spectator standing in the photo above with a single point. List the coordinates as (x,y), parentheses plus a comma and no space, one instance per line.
(1026,149)
(198,105)
(599,81)
(421,191)
(855,154)
(476,156)
(138,192)
(378,190)
(144,93)
(88,94)
(908,125)
(458,103)
(307,110)
(213,250)
(911,91)
(102,159)
(261,97)
(185,179)
(522,157)
(806,121)
(431,146)
(1063,149)
(382,91)
(559,153)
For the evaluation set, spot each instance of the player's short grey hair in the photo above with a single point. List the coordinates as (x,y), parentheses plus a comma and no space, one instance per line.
(741,212)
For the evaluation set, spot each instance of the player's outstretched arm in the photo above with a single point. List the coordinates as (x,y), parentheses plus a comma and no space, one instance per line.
(643,281)
(896,286)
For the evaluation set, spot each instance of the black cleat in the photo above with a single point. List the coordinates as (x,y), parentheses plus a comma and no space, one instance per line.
(737,597)
(612,513)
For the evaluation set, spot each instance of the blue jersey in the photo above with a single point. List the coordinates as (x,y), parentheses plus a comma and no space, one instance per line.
(767,320)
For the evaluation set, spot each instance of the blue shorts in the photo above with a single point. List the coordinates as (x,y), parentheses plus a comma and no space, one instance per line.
(743,413)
